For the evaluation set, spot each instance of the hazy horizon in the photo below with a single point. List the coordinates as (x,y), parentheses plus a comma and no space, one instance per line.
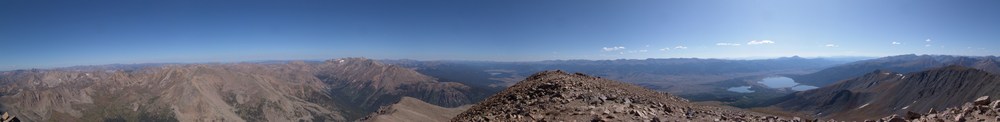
(48,34)
(265,60)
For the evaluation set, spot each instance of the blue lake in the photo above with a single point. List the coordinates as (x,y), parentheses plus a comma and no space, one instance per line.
(741,89)
(785,82)
(803,87)
(778,82)
(774,83)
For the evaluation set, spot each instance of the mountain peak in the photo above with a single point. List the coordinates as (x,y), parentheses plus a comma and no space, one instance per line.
(560,96)
(543,74)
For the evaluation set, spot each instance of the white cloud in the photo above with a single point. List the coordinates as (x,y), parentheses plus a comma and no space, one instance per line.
(727,44)
(831,45)
(927,43)
(665,49)
(757,42)
(680,47)
(896,43)
(613,48)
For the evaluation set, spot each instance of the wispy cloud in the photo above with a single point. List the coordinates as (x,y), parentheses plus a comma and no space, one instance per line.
(831,45)
(613,48)
(665,49)
(758,42)
(928,41)
(727,44)
(680,47)
(896,43)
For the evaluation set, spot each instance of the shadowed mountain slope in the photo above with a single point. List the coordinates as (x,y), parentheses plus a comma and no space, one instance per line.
(883,93)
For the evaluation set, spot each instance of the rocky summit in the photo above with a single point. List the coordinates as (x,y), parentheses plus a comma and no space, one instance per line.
(559,96)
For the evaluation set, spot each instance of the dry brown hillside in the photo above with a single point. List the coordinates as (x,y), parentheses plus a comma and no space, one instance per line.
(413,110)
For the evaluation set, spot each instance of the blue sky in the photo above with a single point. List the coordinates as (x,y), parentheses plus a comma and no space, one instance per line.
(39,34)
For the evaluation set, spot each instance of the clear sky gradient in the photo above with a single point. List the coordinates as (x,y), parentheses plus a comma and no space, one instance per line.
(56,33)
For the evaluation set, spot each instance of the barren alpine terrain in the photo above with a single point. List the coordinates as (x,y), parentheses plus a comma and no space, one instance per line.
(333,90)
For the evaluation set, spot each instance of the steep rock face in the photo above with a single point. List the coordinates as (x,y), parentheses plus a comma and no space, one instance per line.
(881,93)
(901,63)
(293,91)
(558,96)
(411,109)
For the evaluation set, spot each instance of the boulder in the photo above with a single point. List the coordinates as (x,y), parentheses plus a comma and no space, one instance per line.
(897,119)
(995,104)
(984,100)
(910,115)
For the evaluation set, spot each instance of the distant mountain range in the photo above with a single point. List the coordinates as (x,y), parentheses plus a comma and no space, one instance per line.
(900,63)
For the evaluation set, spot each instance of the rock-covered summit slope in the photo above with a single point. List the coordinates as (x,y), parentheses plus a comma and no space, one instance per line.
(559,96)
(980,110)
